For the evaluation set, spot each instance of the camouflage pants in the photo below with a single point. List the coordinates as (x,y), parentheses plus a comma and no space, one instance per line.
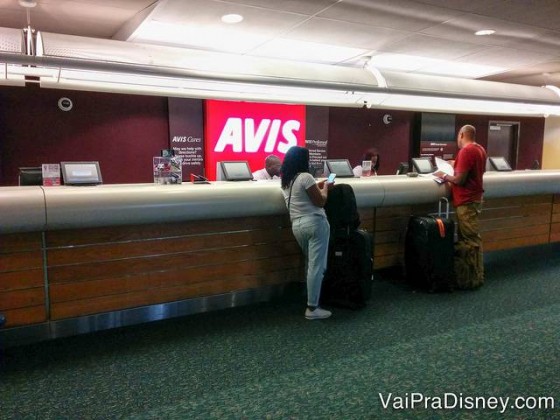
(469,265)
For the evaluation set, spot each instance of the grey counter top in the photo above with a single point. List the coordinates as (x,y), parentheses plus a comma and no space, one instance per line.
(24,209)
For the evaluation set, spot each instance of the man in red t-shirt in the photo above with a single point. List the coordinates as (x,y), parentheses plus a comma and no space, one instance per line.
(467,190)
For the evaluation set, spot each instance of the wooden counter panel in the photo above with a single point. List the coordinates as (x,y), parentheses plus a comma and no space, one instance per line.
(131,266)
(17,299)
(555,226)
(15,280)
(25,316)
(516,242)
(224,284)
(502,234)
(517,221)
(517,201)
(124,267)
(16,242)
(528,210)
(115,234)
(505,223)
(21,260)
(171,277)
(163,246)
(22,290)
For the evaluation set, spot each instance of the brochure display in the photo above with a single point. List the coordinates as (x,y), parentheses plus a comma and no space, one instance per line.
(168,170)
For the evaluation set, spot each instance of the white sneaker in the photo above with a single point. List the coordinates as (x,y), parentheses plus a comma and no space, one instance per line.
(318,313)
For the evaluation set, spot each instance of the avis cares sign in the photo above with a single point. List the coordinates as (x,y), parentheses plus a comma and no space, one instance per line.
(250,131)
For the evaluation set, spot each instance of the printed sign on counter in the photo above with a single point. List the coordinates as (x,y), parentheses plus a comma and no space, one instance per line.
(51,174)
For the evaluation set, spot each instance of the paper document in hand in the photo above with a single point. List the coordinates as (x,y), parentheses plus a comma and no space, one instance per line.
(444,166)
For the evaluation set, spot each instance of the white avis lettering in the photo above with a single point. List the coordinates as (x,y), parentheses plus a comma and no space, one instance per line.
(244,135)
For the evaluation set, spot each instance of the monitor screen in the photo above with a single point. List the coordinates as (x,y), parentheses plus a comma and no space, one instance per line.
(236,170)
(500,163)
(340,167)
(423,165)
(31,175)
(403,168)
(81,173)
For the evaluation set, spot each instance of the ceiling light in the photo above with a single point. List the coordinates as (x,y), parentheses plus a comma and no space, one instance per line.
(28,3)
(485,32)
(232,18)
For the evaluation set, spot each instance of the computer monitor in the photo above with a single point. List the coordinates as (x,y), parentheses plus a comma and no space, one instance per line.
(31,175)
(499,163)
(81,173)
(403,168)
(340,167)
(423,165)
(235,170)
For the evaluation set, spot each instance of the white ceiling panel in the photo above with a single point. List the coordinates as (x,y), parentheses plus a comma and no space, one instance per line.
(547,43)
(540,13)
(434,47)
(209,12)
(307,7)
(463,29)
(348,34)
(328,31)
(411,15)
(306,51)
(474,6)
(506,57)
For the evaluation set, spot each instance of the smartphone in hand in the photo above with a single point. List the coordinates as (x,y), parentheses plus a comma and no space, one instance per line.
(331,178)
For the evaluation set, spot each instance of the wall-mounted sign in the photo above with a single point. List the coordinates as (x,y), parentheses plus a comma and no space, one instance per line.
(250,131)
(186,134)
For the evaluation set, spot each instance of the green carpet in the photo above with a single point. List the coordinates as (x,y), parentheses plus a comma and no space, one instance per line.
(267,361)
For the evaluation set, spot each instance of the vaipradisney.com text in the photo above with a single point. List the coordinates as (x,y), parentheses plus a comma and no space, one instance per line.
(452,400)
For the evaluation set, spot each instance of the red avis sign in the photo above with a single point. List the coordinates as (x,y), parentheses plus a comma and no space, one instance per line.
(250,131)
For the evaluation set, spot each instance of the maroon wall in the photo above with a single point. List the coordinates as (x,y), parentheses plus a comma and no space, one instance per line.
(531,135)
(352,131)
(122,132)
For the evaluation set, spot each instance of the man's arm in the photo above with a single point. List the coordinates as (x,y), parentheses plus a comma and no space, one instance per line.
(457,179)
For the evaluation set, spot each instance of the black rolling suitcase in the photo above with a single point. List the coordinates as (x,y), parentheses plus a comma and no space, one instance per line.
(347,281)
(429,252)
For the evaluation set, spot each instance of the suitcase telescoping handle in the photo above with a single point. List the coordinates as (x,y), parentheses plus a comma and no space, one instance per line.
(440,202)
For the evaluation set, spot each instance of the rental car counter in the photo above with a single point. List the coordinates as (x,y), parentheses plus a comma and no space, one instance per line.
(80,259)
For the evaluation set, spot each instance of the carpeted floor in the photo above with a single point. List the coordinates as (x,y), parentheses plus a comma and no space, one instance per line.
(267,361)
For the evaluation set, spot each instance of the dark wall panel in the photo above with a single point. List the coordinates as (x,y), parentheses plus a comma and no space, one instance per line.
(531,134)
(352,131)
(122,132)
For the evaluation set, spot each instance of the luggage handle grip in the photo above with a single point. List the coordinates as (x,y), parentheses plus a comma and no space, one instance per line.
(446,201)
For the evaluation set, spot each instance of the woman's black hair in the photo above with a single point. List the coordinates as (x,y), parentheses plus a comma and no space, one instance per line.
(369,154)
(295,161)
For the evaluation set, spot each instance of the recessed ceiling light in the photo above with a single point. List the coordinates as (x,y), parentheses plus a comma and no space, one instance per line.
(232,18)
(28,3)
(485,32)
